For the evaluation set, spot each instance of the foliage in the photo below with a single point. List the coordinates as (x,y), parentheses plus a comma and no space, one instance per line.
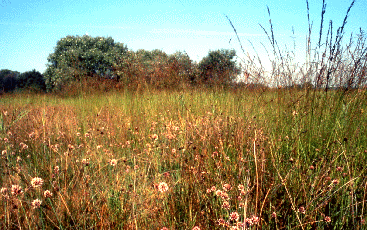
(76,58)
(155,68)
(218,67)
(8,80)
(32,80)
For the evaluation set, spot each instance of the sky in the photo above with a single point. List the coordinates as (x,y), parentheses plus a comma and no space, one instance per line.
(30,29)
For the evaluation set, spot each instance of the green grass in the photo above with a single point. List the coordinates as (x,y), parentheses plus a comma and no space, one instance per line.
(300,157)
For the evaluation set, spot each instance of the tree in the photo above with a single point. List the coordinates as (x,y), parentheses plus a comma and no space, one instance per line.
(8,80)
(218,67)
(76,58)
(32,80)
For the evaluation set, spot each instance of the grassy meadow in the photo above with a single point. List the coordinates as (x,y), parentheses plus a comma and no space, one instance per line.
(190,159)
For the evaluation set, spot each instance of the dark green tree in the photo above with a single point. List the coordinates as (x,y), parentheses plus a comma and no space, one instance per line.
(8,80)
(218,67)
(31,80)
(79,57)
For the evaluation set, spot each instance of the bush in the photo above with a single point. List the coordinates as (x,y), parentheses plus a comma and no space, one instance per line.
(32,80)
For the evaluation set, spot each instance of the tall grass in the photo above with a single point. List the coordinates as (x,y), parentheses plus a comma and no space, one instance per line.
(263,156)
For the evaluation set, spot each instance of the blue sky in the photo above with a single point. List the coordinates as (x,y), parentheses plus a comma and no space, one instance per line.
(30,29)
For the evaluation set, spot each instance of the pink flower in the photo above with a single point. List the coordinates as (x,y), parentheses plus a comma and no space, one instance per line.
(227,187)
(234,216)
(163,187)
(113,162)
(226,205)
(36,182)
(47,194)
(16,190)
(36,203)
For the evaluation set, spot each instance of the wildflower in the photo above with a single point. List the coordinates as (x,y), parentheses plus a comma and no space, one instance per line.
(4,190)
(335,181)
(221,222)
(16,190)
(163,187)
(255,219)
(224,196)
(36,203)
(164,228)
(327,219)
(227,187)
(113,162)
(241,187)
(312,167)
(226,205)
(47,194)
(241,225)
(3,152)
(56,169)
(23,145)
(213,188)
(248,222)
(36,182)
(196,228)
(154,137)
(234,216)
(85,161)
(302,210)
(274,215)
(218,193)
(19,159)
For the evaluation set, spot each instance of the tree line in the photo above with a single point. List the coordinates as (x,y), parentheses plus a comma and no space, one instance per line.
(92,60)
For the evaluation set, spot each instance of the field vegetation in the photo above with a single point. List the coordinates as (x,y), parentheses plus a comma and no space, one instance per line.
(146,140)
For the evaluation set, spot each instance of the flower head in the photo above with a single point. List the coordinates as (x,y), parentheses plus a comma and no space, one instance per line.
(16,190)
(226,205)
(47,194)
(36,203)
(227,187)
(234,216)
(36,182)
(163,187)
(113,162)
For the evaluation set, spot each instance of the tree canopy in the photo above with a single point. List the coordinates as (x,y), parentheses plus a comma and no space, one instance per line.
(218,67)
(76,57)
